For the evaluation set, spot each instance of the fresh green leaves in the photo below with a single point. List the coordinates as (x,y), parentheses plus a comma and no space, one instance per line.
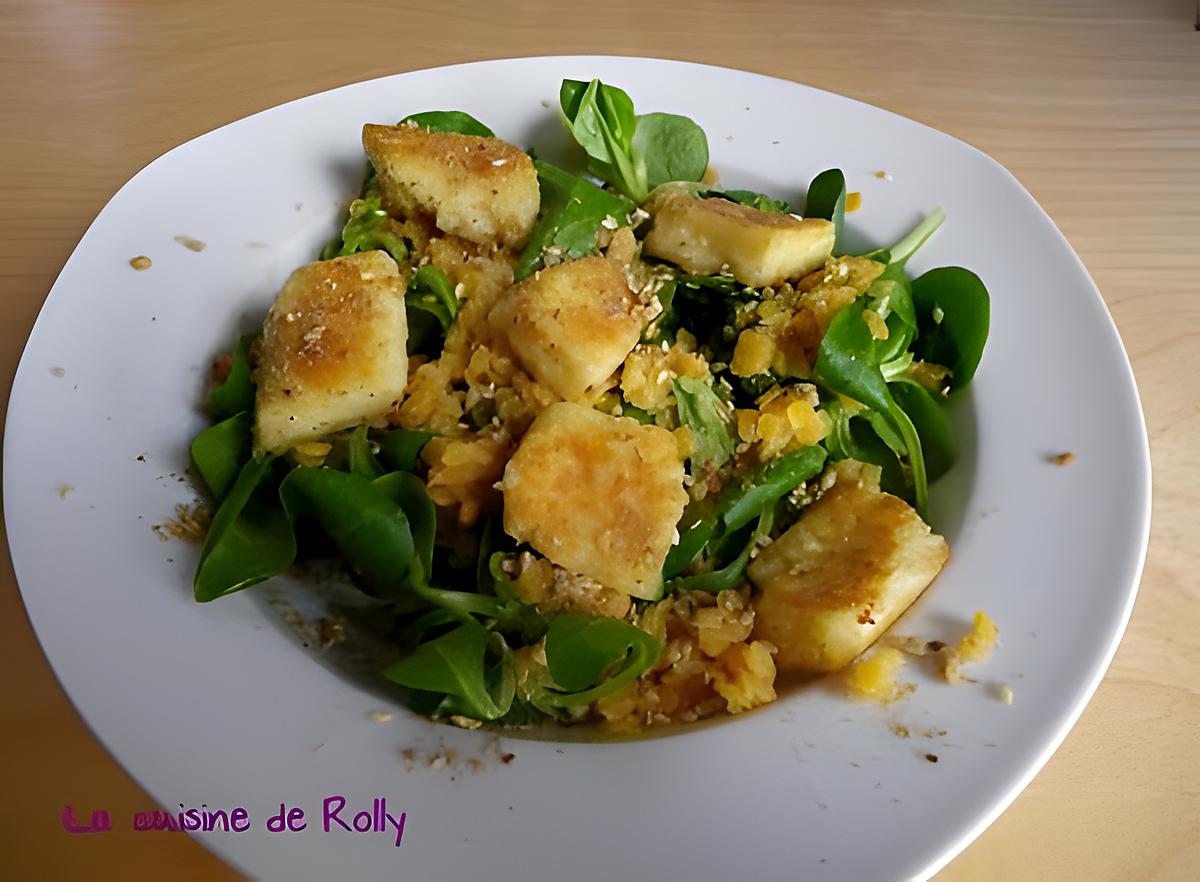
(572,212)
(456,664)
(590,657)
(236,394)
(220,451)
(848,363)
(368,229)
(749,197)
(632,153)
(953,310)
(430,291)
(451,121)
(742,502)
(250,538)
(401,449)
(672,147)
(702,412)
(827,198)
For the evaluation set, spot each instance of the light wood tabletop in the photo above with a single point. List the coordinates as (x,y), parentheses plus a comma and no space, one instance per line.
(1095,106)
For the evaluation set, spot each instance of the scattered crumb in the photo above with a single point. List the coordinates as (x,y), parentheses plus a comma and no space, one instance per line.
(899,730)
(933,733)
(64,489)
(141,262)
(976,645)
(191,244)
(58,372)
(379,717)
(475,764)
(330,632)
(141,457)
(507,758)
(189,523)
(1062,459)
(299,206)
(465,722)
(883,176)
(1004,693)
(874,677)
(932,757)
(853,201)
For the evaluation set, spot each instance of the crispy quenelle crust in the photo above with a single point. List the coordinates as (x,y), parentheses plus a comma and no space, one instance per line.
(596,494)
(332,354)
(482,189)
(571,325)
(838,578)
(712,235)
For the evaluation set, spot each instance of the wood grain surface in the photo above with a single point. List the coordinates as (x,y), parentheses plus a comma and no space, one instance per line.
(1095,106)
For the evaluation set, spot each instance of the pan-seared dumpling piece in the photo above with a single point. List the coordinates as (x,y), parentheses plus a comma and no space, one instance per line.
(482,189)
(598,495)
(834,583)
(571,325)
(707,236)
(332,353)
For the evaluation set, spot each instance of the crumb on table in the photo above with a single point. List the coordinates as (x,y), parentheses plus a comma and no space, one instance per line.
(141,262)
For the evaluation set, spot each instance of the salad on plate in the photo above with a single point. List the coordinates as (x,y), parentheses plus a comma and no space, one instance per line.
(610,444)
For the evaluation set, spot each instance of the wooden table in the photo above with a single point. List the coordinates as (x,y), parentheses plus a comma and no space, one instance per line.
(1094,105)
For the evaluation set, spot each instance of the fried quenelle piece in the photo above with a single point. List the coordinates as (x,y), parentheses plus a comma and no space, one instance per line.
(707,236)
(570,325)
(332,353)
(834,583)
(482,189)
(598,495)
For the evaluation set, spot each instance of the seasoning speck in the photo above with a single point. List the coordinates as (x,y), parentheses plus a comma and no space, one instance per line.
(191,244)
(853,201)
(58,372)
(1004,693)
(1062,459)
(932,757)
(379,717)
(64,489)
(141,262)
(883,176)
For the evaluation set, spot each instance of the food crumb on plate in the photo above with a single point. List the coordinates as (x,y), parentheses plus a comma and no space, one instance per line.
(380,717)
(932,757)
(853,201)
(191,244)
(1061,459)
(189,523)
(882,175)
(1004,693)
(874,677)
(64,489)
(141,262)
(976,645)
(58,372)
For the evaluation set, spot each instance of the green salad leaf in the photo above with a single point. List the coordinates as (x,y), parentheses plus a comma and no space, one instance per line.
(456,664)
(633,153)
(827,198)
(401,449)
(220,451)
(572,212)
(740,503)
(250,538)
(672,147)
(848,363)
(449,121)
(953,310)
(701,411)
(590,657)
(236,394)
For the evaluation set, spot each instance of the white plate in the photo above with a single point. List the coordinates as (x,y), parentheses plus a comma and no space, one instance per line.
(218,704)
